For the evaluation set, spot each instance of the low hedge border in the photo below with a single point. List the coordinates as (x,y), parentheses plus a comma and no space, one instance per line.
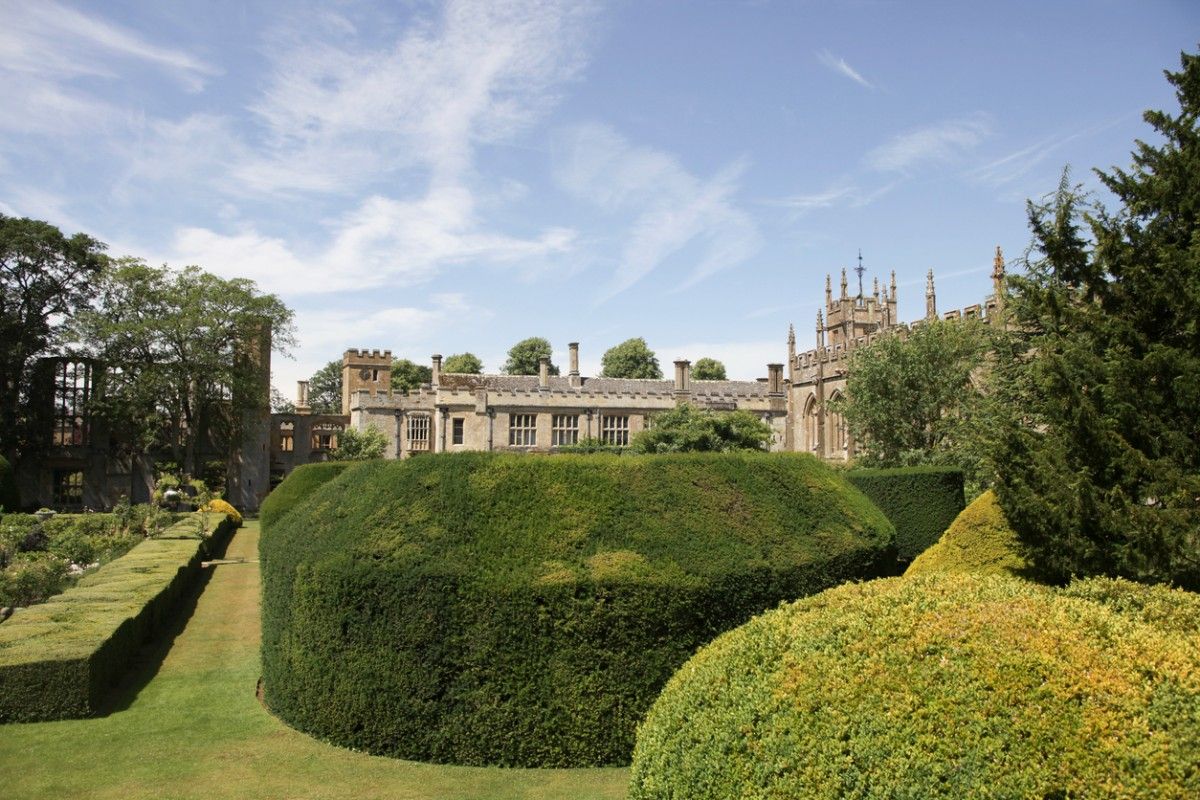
(58,659)
(920,501)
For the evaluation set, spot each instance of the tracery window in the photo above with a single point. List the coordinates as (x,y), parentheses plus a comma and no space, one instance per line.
(68,489)
(325,435)
(72,390)
(287,442)
(418,433)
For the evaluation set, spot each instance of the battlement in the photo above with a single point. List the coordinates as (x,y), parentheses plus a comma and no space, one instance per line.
(367,357)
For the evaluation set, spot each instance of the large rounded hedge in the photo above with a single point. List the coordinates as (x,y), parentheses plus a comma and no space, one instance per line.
(979,540)
(297,487)
(526,610)
(942,686)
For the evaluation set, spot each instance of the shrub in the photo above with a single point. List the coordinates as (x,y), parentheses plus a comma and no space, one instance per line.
(1170,610)
(979,540)
(10,495)
(944,686)
(220,506)
(58,659)
(297,487)
(524,610)
(32,578)
(920,501)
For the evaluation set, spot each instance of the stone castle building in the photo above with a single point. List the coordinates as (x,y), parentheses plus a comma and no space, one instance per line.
(541,413)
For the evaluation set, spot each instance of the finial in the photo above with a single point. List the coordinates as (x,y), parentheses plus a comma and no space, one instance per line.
(998,263)
(929,283)
(893,284)
(844,284)
(828,290)
(792,333)
(876,292)
(859,269)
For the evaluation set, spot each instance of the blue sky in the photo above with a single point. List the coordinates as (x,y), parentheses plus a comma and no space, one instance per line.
(441,177)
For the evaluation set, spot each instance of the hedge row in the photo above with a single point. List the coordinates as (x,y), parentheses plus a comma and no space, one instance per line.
(58,659)
(920,501)
(979,540)
(942,686)
(526,610)
(297,487)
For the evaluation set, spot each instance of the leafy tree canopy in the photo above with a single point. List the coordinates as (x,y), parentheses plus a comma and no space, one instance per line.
(1101,475)
(180,348)
(356,445)
(708,369)
(523,357)
(463,363)
(911,400)
(686,428)
(325,389)
(632,358)
(408,375)
(280,404)
(45,278)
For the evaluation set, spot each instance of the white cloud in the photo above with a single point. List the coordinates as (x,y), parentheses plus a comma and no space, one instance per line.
(939,143)
(840,66)
(47,38)
(742,360)
(479,73)
(383,242)
(672,207)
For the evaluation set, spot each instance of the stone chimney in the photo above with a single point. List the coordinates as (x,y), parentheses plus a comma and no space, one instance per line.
(683,376)
(436,377)
(544,374)
(302,406)
(775,379)
(573,347)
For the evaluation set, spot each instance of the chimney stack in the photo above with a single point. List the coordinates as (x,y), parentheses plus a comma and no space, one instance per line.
(683,376)
(573,347)
(774,378)
(436,377)
(544,373)
(302,406)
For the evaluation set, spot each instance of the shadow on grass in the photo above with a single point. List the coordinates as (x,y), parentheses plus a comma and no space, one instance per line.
(145,664)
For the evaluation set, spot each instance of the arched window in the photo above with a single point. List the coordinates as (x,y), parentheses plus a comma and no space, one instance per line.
(810,424)
(837,429)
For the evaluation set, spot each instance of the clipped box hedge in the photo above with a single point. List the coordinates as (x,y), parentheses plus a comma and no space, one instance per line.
(526,610)
(920,501)
(58,659)
(297,487)
(979,540)
(943,686)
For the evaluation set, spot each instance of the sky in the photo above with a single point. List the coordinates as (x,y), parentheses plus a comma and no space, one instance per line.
(440,177)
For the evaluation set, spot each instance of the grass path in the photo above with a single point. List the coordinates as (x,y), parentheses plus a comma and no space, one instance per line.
(187,725)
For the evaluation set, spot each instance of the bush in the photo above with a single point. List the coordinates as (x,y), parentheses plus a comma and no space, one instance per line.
(1170,610)
(10,495)
(979,540)
(58,659)
(524,610)
(296,488)
(944,686)
(220,506)
(920,501)
(32,579)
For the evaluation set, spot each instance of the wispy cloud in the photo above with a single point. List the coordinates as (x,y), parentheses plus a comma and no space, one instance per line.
(944,142)
(477,73)
(840,195)
(49,39)
(383,242)
(840,66)
(671,208)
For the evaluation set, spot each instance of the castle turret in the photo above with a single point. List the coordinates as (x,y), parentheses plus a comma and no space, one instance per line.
(930,298)
(365,371)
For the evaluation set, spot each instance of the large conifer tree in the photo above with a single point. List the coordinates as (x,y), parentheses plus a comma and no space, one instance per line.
(1100,473)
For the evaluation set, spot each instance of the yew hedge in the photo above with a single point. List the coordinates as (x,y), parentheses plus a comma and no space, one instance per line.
(523,610)
(920,501)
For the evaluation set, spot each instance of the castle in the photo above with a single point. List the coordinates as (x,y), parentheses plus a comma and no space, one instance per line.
(540,413)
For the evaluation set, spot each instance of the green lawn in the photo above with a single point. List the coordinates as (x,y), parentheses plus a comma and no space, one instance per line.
(187,724)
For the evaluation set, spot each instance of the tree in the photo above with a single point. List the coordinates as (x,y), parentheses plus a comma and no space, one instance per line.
(356,445)
(632,358)
(913,399)
(463,363)
(45,278)
(181,353)
(280,404)
(1102,473)
(524,355)
(325,389)
(708,369)
(408,375)
(686,428)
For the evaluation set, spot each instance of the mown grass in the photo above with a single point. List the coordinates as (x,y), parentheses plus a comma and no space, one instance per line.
(187,724)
